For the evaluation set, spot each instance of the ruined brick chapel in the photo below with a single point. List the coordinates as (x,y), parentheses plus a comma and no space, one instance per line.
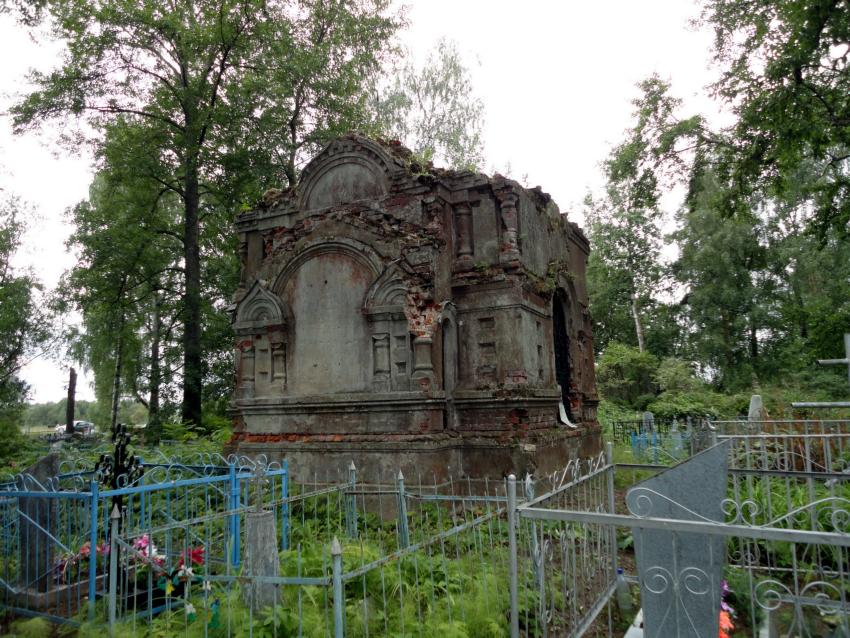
(408,317)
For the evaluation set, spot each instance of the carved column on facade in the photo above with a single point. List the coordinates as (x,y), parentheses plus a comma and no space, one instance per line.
(509,253)
(246,387)
(423,365)
(463,236)
(243,262)
(379,329)
(279,363)
(381,378)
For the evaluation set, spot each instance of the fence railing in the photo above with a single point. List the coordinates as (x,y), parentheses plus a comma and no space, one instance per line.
(54,532)
(409,556)
(780,522)
(561,576)
(399,557)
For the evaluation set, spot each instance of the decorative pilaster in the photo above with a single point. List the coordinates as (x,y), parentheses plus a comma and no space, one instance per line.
(381,359)
(243,263)
(463,236)
(279,363)
(423,366)
(246,388)
(509,253)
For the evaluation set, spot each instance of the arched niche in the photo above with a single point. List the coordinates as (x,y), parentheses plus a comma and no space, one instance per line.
(392,345)
(348,170)
(561,346)
(450,367)
(262,326)
(323,286)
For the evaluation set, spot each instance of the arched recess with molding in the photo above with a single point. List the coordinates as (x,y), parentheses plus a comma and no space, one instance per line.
(450,351)
(323,286)
(392,351)
(262,327)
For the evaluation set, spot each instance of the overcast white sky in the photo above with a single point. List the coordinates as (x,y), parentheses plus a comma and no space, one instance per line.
(556,78)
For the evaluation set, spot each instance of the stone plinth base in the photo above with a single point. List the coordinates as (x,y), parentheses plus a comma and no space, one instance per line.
(436,456)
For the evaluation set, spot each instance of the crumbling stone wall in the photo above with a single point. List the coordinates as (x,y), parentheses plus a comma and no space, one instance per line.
(390,312)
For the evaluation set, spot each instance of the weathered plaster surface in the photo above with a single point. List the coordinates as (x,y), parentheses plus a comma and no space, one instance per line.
(390,313)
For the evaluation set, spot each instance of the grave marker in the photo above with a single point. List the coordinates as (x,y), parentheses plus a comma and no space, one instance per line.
(680,572)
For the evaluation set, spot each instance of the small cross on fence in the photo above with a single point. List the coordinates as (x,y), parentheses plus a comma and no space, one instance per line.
(831,362)
(838,362)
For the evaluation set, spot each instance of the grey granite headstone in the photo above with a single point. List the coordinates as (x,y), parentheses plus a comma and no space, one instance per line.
(680,573)
(756,411)
(261,558)
(38,521)
(675,440)
(648,422)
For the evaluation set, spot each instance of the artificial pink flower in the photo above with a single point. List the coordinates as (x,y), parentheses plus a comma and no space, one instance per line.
(142,543)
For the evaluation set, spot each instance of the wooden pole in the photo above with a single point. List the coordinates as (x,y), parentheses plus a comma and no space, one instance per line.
(70,407)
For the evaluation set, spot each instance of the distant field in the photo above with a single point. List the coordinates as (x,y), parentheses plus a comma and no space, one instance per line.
(38,430)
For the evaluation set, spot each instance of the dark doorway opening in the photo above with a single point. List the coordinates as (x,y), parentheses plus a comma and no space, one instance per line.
(562,350)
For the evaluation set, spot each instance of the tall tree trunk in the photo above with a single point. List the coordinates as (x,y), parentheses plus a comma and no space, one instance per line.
(116,379)
(754,342)
(192,373)
(801,309)
(638,324)
(70,407)
(153,428)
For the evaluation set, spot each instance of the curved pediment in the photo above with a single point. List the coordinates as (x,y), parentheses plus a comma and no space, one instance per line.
(388,293)
(348,170)
(258,309)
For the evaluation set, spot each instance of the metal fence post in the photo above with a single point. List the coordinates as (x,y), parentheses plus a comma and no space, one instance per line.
(234,518)
(284,507)
(609,459)
(114,519)
(339,603)
(512,564)
(351,502)
(142,483)
(93,545)
(403,532)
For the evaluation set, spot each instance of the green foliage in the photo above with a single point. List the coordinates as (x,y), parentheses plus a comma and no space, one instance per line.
(630,382)
(625,272)
(30,628)
(784,74)
(624,374)
(23,325)
(703,402)
(432,110)
(750,299)
(197,107)
(683,393)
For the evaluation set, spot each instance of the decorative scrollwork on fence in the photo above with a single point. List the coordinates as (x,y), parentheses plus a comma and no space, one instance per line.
(644,502)
(833,508)
(745,512)
(770,594)
(744,552)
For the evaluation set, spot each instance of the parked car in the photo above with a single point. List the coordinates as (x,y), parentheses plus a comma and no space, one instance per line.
(84,428)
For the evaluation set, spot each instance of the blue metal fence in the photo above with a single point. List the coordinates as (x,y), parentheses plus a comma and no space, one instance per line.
(53,533)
